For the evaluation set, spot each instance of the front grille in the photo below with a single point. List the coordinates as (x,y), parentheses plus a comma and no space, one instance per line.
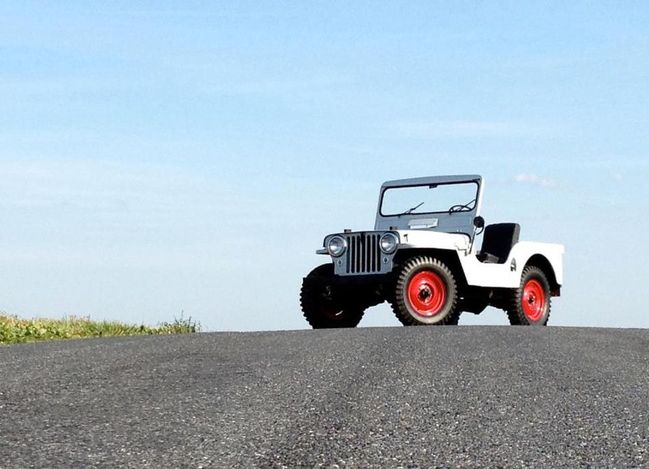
(363,253)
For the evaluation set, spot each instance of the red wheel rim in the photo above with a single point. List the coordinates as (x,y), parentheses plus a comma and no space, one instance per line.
(427,293)
(534,300)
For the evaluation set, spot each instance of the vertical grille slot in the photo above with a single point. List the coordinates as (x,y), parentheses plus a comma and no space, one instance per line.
(373,251)
(348,255)
(363,253)
(357,255)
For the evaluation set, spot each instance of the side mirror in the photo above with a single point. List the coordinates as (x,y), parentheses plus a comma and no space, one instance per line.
(478,222)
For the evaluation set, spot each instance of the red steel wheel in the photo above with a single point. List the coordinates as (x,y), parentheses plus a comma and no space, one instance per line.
(533,300)
(427,293)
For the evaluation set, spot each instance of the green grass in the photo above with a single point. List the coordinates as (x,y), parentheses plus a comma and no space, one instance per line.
(14,330)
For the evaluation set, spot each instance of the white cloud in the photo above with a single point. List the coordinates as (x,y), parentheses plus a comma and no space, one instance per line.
(535,180)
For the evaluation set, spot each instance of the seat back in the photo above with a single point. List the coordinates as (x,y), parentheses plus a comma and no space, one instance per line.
(498,241)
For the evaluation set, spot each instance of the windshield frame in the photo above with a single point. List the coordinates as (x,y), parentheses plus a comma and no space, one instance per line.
(415,213)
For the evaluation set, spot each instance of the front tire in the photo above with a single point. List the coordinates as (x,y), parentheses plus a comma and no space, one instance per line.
(531,303)
(426,294)
(322,307)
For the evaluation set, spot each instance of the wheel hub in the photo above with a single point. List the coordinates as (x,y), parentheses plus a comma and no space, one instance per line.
(534,300)
(427,293)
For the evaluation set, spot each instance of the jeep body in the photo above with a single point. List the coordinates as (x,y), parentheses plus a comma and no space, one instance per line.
(422,257)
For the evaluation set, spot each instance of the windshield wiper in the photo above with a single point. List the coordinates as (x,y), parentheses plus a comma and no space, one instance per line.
(410,210)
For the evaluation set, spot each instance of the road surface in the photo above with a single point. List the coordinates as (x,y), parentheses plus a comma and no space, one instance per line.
(388,397)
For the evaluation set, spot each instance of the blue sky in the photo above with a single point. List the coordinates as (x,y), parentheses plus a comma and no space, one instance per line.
(168,156)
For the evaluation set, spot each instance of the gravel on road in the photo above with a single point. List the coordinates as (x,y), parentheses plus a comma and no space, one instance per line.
(372,397)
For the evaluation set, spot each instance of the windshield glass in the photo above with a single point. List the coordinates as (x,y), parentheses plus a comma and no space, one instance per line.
(434,198)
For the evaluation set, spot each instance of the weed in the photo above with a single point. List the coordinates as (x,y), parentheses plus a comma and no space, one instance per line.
(14,330)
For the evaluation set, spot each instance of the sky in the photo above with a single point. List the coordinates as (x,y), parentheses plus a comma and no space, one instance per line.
(160,158)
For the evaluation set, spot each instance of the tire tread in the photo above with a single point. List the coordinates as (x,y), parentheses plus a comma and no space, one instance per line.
(514,310)
(311,303)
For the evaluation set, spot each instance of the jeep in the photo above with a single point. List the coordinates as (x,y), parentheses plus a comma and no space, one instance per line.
(422,258)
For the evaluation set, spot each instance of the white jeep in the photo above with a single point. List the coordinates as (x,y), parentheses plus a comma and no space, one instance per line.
(421,257)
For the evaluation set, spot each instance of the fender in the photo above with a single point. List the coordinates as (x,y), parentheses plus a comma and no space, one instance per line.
(508,274)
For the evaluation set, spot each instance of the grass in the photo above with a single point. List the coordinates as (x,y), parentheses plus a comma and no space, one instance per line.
(14,330)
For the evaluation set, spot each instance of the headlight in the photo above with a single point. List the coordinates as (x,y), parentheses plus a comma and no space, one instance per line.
(336,246)
(389,243)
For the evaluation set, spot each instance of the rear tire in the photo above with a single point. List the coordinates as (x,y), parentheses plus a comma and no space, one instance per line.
(531,302)
(322,307)
(426,294)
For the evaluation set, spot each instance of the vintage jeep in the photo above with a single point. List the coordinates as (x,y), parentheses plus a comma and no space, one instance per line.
(422,258)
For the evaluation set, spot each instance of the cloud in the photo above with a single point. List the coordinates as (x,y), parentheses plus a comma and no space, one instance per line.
(535,180)
(470,129)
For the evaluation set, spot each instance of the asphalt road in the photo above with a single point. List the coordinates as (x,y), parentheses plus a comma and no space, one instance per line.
(397,397)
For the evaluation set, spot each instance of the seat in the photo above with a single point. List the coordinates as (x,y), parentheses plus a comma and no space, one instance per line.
(498,241)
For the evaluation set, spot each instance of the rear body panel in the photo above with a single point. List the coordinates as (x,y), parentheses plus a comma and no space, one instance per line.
(508,274)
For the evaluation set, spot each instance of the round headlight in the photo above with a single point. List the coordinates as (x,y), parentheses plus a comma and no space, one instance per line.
(336,246)
(389,243)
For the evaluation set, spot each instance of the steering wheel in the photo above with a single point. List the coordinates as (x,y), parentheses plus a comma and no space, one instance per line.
(461,208)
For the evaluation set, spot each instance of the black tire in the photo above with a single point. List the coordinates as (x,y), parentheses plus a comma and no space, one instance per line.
(322,307)
(531,302)
(442,308)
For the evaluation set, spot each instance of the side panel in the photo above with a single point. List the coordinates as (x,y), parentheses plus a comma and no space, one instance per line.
(508,275)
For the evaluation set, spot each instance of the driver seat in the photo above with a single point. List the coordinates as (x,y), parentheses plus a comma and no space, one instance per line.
(498,241)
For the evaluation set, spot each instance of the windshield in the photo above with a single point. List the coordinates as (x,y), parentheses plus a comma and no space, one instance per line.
(433,198)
